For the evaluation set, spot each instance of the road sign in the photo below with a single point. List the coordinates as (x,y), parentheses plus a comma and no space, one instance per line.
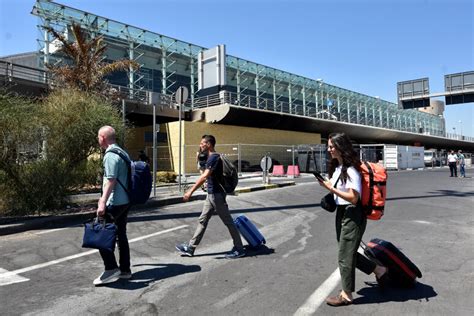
(266,163)
(181,95)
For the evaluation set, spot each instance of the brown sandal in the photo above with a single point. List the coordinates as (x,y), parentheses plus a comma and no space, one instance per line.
(337,301)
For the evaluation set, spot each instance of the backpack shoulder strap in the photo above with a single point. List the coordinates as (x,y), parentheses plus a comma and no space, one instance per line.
(127,162)
(335,184)
(220,178)
(120,154)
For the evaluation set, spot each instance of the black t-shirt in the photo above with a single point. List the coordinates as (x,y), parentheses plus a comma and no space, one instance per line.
(214,163)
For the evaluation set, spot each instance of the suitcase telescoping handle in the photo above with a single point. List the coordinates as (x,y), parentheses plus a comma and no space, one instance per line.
(369,253)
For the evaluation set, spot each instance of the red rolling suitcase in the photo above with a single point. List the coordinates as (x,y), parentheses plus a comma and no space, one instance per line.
(401,271)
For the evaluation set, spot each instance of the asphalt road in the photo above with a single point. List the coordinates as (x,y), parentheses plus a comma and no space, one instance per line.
(428,215)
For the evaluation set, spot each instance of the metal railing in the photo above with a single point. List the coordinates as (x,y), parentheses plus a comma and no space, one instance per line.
(11,72)
(459,137)
(395,121)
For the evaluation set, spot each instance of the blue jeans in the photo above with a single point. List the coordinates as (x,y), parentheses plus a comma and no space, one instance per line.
(462,170)
(120,214)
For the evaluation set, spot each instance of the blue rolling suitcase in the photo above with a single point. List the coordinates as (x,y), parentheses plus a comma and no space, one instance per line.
(248,230)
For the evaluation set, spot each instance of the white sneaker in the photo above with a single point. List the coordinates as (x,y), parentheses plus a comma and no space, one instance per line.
(108,276)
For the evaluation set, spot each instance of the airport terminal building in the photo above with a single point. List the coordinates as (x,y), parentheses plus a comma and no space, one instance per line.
(248,103)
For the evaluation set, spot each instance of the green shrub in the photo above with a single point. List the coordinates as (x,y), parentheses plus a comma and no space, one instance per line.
(72,119)
(166,177)
(87,175)
(42,186)
(44,148)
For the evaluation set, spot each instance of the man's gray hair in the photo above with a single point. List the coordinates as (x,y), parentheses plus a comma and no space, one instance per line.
(108,132)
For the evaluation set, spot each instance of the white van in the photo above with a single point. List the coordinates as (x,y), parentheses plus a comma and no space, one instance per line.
(432,158)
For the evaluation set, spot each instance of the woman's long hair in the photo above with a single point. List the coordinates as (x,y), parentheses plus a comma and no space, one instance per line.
(342,143)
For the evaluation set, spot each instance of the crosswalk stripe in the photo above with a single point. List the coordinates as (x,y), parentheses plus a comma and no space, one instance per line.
(318,297)
(6,276)
(11,278)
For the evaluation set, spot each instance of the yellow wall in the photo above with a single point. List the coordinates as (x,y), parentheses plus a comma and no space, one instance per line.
(228,134)
(225,134)
(136,140)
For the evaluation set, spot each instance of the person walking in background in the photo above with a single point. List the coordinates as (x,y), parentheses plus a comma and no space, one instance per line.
(462,164)
(215,201)
(452,162)
(351,220)
(114,203)
(143,157)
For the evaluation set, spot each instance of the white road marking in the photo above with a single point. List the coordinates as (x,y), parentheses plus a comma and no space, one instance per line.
(231,298)
(5,277)
(157,233)
(51,230)
(11,279)
(423,222)
(317,298)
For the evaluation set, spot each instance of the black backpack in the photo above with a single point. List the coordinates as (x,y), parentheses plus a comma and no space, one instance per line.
(230,176)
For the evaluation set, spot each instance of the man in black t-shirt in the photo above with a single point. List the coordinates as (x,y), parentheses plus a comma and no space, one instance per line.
(215,201)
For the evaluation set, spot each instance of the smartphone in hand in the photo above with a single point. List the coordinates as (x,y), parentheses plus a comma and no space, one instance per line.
(319,176)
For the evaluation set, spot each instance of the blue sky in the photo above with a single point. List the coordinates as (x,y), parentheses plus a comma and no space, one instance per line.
(361,45)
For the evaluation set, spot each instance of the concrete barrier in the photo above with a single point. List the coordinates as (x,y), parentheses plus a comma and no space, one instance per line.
(278,171)
(293,170)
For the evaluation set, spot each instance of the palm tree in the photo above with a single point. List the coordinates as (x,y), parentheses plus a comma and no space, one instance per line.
(87,70)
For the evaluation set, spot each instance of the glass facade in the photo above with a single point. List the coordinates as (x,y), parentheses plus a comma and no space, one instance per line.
(167,63)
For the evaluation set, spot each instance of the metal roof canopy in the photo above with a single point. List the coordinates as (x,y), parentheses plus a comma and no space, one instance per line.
(234,115)
(252,79)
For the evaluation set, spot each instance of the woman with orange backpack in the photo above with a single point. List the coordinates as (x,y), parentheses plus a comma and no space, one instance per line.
(351,220)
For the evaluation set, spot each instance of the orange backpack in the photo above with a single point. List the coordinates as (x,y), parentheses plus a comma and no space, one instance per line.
(374,182)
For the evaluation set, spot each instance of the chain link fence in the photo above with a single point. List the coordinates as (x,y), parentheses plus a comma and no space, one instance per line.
(246,157)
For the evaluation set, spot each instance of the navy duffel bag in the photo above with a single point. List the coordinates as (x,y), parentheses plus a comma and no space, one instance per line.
(99,235)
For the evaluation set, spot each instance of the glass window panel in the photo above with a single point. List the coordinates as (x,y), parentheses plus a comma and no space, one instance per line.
(469,79)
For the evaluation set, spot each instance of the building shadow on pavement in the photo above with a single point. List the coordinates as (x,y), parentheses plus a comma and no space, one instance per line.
(435,194)
(160,271)
(373,295)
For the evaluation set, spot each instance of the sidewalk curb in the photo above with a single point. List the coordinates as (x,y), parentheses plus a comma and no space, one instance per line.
(59,221)
(264,187)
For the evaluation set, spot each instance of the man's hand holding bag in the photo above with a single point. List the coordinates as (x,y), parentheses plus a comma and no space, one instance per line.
(99,235)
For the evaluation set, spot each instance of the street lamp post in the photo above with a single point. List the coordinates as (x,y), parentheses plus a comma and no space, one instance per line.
(181,95)
(460,122)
